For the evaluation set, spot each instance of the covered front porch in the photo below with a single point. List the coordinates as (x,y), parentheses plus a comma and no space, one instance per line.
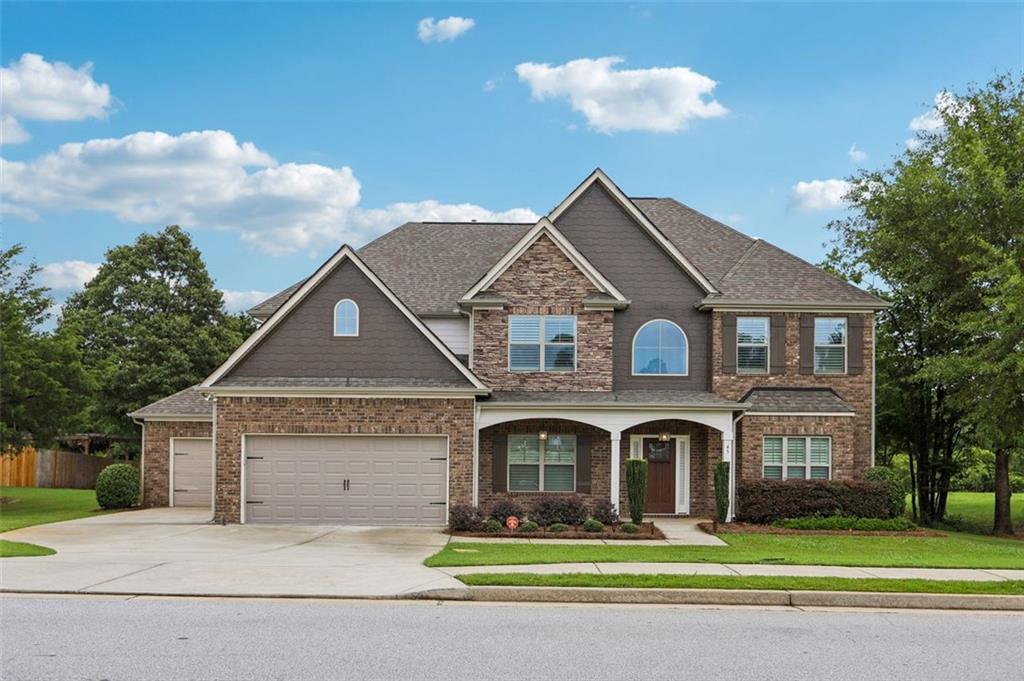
(575,443)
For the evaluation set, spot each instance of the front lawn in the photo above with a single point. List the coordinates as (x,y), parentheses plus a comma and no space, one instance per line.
(973,511)
(931,586)
(17,549)
(952,550)
(26,506)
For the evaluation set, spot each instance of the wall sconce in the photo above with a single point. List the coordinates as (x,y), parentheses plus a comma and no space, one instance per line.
(664,437)
(543,435)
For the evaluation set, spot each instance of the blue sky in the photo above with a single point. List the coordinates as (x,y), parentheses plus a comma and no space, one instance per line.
(338,121)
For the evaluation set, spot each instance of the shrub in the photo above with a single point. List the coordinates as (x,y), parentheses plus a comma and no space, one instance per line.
(604,510)
(117,486)
(764,501)
(465,518)
(844,522)
(529,526)
(567,509)
(503,508)
(636,489)
(629,528)
(897,490)
(593,525)
(492,525)
(721,491)
(558,527)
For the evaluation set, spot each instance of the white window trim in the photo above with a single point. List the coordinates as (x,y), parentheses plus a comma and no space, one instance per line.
(807,456)
(542,343)
(632,350)
(541,464)
(846,340)
(767,347)
(338,304)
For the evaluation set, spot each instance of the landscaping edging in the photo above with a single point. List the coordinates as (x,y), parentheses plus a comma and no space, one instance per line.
(795,599)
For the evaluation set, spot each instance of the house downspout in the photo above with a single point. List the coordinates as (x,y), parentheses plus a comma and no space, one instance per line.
(874,379)
(732,471)
(142,463)
(476,453)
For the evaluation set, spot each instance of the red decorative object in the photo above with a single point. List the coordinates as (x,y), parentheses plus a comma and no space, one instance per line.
(512,522)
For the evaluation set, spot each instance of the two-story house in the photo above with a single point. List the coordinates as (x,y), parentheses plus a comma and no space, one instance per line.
(451,363)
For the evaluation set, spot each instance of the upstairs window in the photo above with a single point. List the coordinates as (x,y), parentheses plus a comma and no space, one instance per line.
(830,345)
(752,345)
(542,463)
(346,318)
(660,349)
(542,343)
(797,458)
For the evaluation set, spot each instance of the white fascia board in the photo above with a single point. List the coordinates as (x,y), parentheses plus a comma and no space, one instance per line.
(823,307)
(352,393)
(801,413)
(173,417)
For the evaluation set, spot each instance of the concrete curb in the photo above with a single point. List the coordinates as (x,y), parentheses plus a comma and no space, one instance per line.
(819,599)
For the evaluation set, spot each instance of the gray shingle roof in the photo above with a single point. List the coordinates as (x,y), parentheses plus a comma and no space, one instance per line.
(799,400)
(187,402)
(665,398)
(350,382)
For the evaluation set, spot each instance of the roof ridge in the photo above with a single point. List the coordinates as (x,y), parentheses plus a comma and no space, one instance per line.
(705,215)
(742,259)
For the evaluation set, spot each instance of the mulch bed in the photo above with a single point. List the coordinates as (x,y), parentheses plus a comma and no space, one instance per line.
(750,528)
(647,531)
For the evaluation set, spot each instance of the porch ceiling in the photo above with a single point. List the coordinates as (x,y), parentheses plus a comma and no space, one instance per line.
(682,399)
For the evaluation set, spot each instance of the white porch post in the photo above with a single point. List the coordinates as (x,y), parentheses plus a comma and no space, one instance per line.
(616,463)
(729,454)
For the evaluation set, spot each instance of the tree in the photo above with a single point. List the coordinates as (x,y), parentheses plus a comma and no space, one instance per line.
(151,322)
(42,380)
(941,230)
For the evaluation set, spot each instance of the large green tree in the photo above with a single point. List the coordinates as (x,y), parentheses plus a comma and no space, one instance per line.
(150,322)
(42,380)
(938,233)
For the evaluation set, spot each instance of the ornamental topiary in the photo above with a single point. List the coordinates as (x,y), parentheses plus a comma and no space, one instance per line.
(558,527)
(593,525)
(117,486)
(492,525)
(636,489)
(529,527)
(629,528)
(897,489)
(465,518)
(721,492)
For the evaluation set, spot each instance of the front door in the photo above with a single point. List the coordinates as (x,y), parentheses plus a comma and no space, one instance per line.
(661,474)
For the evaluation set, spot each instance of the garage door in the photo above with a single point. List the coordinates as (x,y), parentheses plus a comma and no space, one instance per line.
(193,471)
(345,479)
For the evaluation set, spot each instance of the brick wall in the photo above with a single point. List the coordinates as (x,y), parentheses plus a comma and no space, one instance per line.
(855,389)
(544,281)
(841,429)
(308,415)
(156,456)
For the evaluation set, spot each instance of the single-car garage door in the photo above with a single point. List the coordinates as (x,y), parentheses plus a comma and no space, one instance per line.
(346,479)
(192,477)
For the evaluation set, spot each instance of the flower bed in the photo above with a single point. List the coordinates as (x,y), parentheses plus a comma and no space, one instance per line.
(646,531)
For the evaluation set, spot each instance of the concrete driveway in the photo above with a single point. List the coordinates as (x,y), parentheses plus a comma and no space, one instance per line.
(174,551)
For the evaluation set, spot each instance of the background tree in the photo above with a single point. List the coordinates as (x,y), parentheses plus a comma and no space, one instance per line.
(150,322)
(42,380)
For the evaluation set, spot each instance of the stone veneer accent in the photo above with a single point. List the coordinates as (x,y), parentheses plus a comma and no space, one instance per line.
(156,456)
(543,281)
(849,460)
(321,415)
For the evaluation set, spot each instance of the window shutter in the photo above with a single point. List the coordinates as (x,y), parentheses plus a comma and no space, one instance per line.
(778,358)
(583,464)
(728,344)
(499,463)
(806,344)
(855,344)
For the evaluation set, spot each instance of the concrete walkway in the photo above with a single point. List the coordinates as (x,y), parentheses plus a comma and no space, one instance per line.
(677,531)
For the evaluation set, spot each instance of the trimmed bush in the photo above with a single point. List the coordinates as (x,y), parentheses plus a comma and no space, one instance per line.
(636,489)
(765,501)
(465,518)
(604,510)
(844,522)
(549,509)
(897,489)
(629,528)
(503,508)
(492,525)
(529,526)
(558,527)
(593,525)
(117,486)
(721,491)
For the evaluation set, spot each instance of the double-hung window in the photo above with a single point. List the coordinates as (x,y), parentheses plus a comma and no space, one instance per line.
(830,345)
(752,345)
(542,343)
(536,465)
(797,458)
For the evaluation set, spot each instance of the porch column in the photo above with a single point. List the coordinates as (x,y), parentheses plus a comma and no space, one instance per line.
(616,463)
(729,454)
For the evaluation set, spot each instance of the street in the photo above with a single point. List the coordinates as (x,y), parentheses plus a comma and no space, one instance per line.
(57,638)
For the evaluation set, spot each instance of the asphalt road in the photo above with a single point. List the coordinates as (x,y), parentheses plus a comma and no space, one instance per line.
(91,638)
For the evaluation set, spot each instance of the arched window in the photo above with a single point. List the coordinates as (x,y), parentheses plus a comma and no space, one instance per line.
(346,318)
(660,349)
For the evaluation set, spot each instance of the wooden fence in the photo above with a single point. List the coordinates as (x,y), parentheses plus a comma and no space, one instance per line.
(51,468)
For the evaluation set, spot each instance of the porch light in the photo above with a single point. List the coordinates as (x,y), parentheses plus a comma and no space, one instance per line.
(664,437)
(543,435)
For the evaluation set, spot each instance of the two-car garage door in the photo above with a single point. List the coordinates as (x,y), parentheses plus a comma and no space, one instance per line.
(346,479)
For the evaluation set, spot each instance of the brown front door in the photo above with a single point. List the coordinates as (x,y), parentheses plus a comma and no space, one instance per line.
(661,475)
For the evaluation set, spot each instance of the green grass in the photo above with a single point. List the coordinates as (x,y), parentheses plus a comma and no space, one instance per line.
(973,511)
(753,582)
(17,549)
(952,550)
(37,506)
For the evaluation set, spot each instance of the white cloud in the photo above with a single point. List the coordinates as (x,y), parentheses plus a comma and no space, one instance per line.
(857,155)
(431,31)
(69,275)
(239,301)
(931,121)
(818,195)
(491,84)
(210,180)
(655,99)
(35,89)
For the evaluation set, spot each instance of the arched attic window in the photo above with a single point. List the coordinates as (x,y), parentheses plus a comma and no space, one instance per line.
(346,318)
(660,348)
